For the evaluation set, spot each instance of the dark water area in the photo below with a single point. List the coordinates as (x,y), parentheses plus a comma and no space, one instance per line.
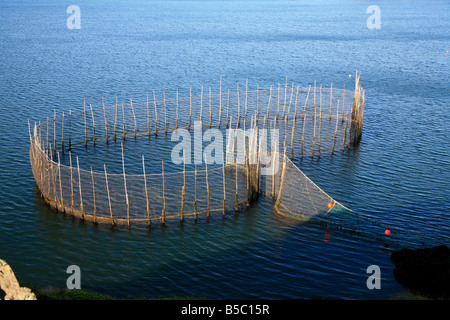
(398,175)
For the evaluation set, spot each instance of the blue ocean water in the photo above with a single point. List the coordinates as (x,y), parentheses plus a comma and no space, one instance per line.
(399,174)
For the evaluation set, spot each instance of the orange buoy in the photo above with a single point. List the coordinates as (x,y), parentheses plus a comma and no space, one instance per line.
(447,51)
(330,205)
(387,232)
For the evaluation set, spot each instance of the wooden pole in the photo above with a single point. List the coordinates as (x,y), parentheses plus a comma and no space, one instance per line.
(268,104)
(109,198)
(201,106)
(292,139)
(257,102)
(290,102)
(278,102)
(224,191)
(306,102)
(125,187)
(246,94)
(106,125)
(273,170)
(296,96)
(93,125)
(335,131)
(71,181)
(277,203)
(314,116)
(285,94)
(146,192)
(239,107)
(93,195)
(60,184)
(134,118)
(331,98)
(79,186)
(156,114)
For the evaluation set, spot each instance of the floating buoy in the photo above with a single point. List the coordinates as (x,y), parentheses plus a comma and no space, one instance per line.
(330,205)
(387,232)
(349,75)
(447,51)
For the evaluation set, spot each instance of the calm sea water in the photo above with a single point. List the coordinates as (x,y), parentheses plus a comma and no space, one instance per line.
(399,175)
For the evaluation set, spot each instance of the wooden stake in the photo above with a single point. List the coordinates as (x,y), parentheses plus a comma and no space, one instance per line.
(93,125)
(125,187)
(257,102)
(156,114)
(306,102)
(134,117)
(277,203)
(93,195)
(71,181)
(268,104)
(201,106)
(239,107)
(109,198)
(331,98)
(146,192)
(246,94)
(79,186)
(278,102)
(60,184)
(335,131)
(320,120)
(296,96)
(106,125)
(224,192)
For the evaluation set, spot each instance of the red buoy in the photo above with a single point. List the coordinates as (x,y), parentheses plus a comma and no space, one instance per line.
(387,232)
(330,205)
